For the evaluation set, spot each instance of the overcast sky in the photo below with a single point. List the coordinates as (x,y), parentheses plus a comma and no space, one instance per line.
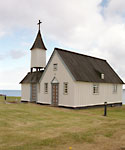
(92,27)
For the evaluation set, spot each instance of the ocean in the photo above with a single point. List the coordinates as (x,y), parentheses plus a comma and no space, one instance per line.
(11,93)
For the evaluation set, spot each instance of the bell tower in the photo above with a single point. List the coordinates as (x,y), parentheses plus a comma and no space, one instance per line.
(38,52)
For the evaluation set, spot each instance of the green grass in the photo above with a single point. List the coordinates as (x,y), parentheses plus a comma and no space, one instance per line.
(30,126)
(10,99)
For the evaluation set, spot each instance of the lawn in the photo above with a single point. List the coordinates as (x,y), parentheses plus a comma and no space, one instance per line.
(27,126)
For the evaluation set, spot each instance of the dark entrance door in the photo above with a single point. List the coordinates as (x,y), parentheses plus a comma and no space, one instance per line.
(55,94)
(33,92)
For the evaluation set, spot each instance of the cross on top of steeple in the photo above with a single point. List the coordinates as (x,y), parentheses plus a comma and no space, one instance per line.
(38,43)
(39,24)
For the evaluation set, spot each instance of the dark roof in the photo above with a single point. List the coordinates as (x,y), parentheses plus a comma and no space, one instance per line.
(88,69)
(33,77)
(38,43)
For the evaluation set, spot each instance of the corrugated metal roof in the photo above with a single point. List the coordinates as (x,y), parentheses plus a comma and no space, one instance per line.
(38,43)
(88,69)
(33,77)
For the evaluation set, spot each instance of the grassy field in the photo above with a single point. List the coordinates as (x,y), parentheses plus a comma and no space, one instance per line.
(36,127)
(10,99)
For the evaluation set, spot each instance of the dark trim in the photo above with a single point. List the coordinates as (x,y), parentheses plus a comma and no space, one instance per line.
(28,102)
(43,104)
(24,101)
(93,106)
(31,70)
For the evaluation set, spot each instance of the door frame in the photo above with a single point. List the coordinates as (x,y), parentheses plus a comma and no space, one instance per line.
(31,92)
(52,93)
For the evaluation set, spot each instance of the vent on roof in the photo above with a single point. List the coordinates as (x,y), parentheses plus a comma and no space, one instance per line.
(102,76)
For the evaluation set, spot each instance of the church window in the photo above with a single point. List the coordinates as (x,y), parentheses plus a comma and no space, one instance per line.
(114,88)
(46,87)
(54,67)
(95,88)
(65,88)
(102,76)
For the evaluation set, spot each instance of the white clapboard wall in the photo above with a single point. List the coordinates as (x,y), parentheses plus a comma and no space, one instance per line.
(123,96)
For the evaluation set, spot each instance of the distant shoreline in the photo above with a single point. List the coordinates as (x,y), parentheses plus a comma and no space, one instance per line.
(14,93)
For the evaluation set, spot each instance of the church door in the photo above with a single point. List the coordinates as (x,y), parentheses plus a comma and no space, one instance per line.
(55,94)
(33,92)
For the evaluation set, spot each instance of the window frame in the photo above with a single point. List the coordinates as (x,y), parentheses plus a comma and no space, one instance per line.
(46,88)
(115,88)
(102,76)
(55,67)
(95,89)
(65,88)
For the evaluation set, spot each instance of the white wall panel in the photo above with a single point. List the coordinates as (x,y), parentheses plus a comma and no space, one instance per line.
(84,94)
(38,58)
(62,75)
(25,92)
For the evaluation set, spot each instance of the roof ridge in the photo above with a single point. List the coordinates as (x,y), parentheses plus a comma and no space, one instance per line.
(79,54)
(82,67)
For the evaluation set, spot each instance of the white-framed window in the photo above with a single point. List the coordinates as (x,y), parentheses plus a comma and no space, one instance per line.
(114,88)
(65,88)
(95,88)
(55,67)
(46,87)
(102,76)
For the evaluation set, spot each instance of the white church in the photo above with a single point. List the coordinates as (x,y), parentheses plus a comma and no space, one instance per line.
(69,79)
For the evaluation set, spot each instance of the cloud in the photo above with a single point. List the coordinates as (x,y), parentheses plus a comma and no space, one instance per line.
(93,27)
(12,82)
(2,57)
(115,8)
(16,54)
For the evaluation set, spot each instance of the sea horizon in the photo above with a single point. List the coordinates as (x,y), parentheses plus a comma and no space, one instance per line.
(15,93)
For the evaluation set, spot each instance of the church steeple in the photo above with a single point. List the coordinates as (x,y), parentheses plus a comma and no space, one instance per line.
(38,43)
(38,52)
